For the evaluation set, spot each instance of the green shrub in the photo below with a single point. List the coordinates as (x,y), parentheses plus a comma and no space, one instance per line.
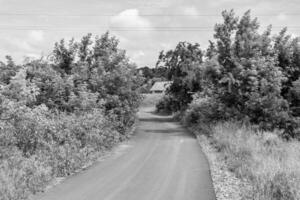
(167,104)
(55,118)
(47,145)
(202,110)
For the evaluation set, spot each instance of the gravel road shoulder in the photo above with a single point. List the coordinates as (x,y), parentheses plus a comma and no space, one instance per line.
(226,185)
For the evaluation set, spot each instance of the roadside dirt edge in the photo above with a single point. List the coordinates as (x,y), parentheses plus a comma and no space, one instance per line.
(226,185)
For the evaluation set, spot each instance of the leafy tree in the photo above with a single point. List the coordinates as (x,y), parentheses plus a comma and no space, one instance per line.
(181,63)
(63,56)
(246,42)
(8,70)
(84,50)
(252,81)
(224,34)
(288,53)
(161,72)
(295,94)
(147,72)
(248,75)
(211,50)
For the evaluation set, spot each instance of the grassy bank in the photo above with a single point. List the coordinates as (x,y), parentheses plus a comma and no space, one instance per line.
(269,164)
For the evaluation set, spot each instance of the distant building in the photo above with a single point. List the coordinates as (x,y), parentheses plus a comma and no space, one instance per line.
(160,87)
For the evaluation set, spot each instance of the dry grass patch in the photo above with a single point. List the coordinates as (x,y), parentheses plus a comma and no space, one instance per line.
(269,163)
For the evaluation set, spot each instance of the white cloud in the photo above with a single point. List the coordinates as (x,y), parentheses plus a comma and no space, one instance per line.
(153,3)
(282,17)
(27,44)
(36,35)
(131,19)
(221,2)
(17,44)
(33,55)
(137,55)
(166,46)
(190,11)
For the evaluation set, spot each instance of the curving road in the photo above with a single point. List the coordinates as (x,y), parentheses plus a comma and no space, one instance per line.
(162,161)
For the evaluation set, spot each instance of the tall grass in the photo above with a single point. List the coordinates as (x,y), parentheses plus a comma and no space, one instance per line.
(269,163)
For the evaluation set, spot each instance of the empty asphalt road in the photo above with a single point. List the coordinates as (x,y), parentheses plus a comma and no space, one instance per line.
(162,161)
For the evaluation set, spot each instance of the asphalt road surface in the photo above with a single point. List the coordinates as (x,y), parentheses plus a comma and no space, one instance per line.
(162,161)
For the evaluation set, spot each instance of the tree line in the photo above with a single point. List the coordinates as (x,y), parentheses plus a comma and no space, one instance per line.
(243,75)
(60,113)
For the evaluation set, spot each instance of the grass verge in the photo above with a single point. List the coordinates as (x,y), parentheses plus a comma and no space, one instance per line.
(269,165)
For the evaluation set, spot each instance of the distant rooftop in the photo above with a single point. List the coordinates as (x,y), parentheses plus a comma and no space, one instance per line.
(160,86)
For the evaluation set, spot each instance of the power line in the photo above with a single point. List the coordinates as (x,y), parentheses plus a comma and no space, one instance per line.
(128,15)
(124,28)
(121,30)
(133,27)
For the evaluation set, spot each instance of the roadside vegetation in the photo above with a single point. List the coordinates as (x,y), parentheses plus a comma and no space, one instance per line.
(270,164)
(152,75)
(243,94)
(59,114)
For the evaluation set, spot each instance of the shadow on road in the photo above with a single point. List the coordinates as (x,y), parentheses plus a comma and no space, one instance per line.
(159,113)
(171,132)
(157,120)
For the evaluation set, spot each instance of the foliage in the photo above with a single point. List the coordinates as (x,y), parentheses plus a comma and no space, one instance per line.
(246,101)
(247,74)
(167,104)
(57,115)
(152,75)
(203,111)
(182,62)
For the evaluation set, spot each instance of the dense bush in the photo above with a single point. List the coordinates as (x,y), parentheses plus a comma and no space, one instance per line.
(167,104)
(56,116)
(40,145)
(248,75)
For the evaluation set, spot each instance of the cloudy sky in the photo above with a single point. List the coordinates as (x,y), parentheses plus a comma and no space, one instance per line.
(144,27)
